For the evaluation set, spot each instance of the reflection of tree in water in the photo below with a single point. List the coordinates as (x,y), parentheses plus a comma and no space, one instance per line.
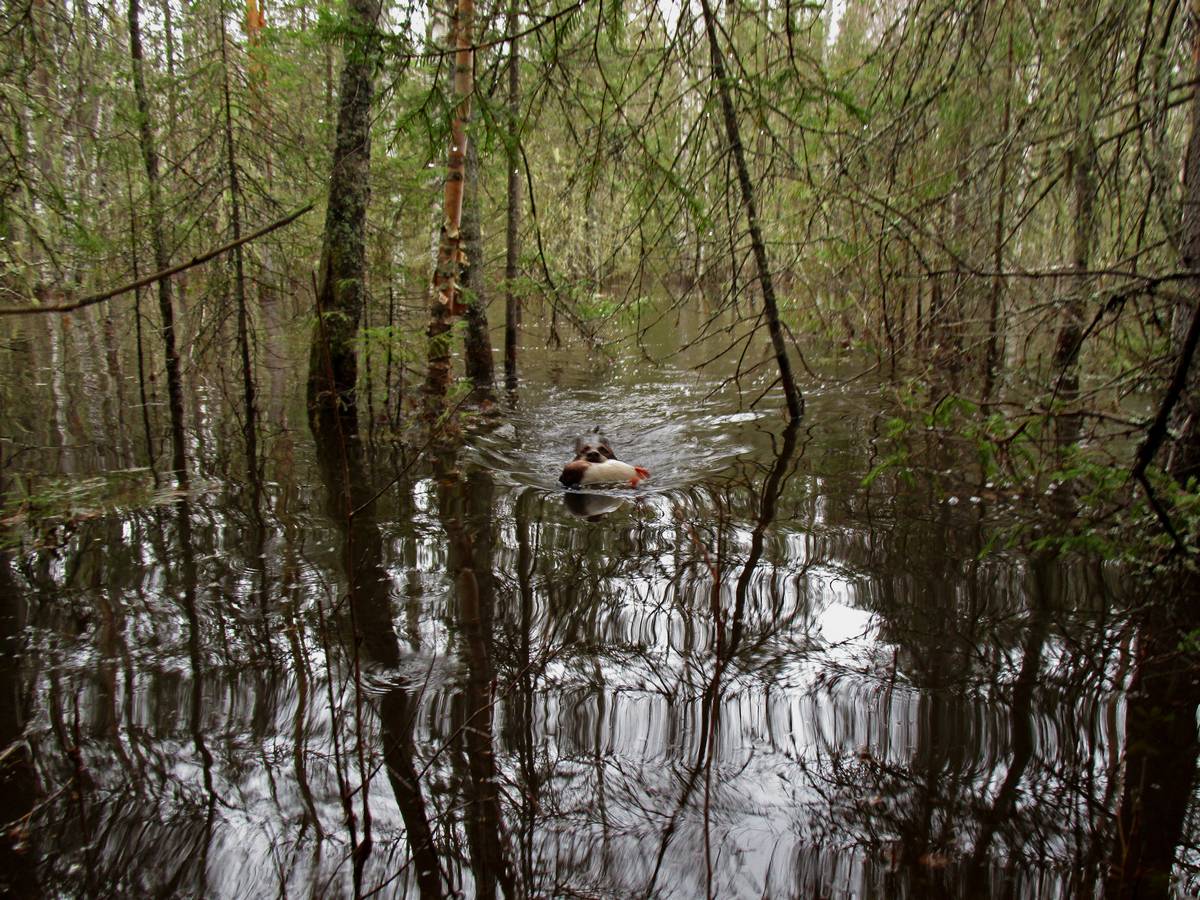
(19,787)
(465,509)
(973,779)
(112,763)
(634,707)
(732,648)
(1160,743)
(351,500)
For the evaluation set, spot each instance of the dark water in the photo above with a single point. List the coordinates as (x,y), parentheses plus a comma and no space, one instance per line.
(752,677)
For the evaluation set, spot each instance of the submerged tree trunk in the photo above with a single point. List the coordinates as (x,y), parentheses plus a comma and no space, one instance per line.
(791,393)
(512,249)
(333,361)
(480,368)
(445,301)
(158,242)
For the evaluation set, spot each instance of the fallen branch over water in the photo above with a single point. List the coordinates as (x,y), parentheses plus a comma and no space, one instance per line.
(157,276)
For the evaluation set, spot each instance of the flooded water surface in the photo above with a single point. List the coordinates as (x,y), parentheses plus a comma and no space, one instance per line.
(364,671)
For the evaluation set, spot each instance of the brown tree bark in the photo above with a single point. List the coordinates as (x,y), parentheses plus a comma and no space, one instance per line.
(249,426)
(478,343)
(512,247)
(333,361)
(1161,747)
(158,242)
(791,393)
(1083,166)
(995,341)
(1185,455)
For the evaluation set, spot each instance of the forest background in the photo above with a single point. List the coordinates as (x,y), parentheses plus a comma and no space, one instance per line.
(992,208)
(989,201)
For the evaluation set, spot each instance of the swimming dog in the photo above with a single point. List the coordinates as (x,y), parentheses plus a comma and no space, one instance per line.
(596,462)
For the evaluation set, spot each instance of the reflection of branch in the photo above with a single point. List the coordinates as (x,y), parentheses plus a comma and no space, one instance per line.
(725,651)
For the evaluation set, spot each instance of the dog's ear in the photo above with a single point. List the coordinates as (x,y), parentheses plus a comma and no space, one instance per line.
(606,448)
(580,443)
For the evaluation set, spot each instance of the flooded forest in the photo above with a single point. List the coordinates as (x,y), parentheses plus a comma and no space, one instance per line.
(599,449)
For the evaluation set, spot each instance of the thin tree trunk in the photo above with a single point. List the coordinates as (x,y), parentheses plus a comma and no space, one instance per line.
(512,248)
(391,412)
(137,327)
(994,343)
(169,46)
(1083,162)
(1160,732)
(333,361)
(158,242)
(445,302)
(478,343)
(250,427)
(368,379)
(112,358)
(791,393)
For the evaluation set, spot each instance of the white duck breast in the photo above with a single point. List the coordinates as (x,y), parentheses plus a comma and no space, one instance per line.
(611,471)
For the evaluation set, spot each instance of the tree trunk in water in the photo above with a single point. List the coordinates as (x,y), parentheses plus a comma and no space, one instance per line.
(137,329)
(1083,162)
(446,302)
(158,242)
(512,249)
(1185,455)
(480,368)
(1160,743)
(249,427)
(791,393)
(333,361)
(995,342)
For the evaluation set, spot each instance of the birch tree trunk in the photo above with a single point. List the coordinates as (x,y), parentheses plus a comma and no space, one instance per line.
(446,295)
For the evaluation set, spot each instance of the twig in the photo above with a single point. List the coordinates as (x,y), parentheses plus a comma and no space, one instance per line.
(1158,430)
(157,276)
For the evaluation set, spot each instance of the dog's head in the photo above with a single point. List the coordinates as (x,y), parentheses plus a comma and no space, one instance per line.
(594,448)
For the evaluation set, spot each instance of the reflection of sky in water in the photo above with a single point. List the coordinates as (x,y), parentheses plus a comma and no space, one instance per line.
(869,696)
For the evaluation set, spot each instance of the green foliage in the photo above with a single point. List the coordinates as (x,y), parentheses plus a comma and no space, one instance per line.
(1084,503)
(597,307)
(402,342)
